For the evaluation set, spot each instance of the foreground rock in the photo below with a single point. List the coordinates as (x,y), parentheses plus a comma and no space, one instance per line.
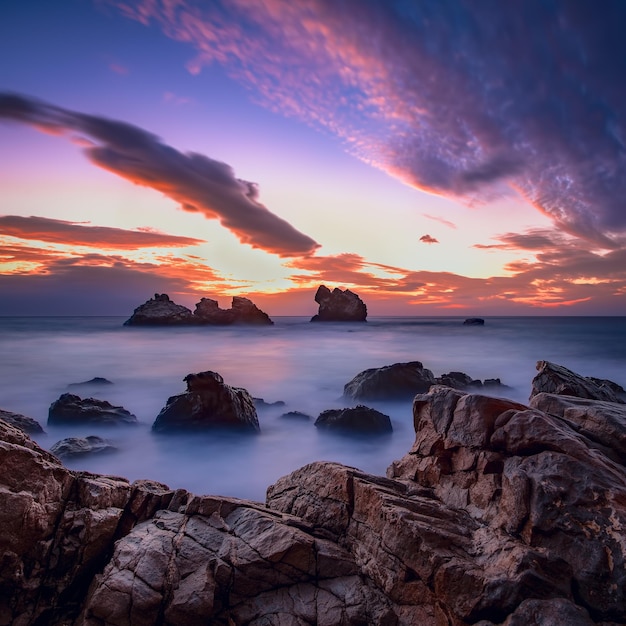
(339,306)
(161,311)
(553,378)
(499,514)
(401,381)
(358,419)
(81,446)
(208,403)
(23,422)
(72,409)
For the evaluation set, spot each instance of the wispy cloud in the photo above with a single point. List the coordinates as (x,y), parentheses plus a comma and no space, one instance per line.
(197,182)
(458,98)
(75,234)
(441,220)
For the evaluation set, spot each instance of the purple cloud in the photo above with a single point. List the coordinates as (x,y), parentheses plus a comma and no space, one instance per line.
(196,182)
(460,98)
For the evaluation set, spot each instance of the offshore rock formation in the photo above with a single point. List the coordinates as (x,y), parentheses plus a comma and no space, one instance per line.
(79,446)
(161,311)
(72,409)
(499,514)
(208,403)
(358,419)
(339,306)
(474,321)
(401,381)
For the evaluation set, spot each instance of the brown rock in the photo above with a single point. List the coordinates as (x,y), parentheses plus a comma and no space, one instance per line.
(243,311)
(160,311)
(208,403)
(358,419)
(27,424)
(339,306)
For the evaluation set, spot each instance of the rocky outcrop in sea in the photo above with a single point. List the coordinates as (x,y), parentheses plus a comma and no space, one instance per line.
(499,514)
(72,409)
(339,306)
(161,311)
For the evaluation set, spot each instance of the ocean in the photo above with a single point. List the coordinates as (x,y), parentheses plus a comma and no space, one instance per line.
(304,365)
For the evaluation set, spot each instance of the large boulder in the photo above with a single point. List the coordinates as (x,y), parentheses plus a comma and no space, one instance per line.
(72,409)
(242,311)
(358,419)
(400,381)
(339,306)
(160,311)
(23,422)
(553,378)
(207,404)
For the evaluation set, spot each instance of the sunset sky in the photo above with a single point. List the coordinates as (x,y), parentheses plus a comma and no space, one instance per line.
(447,157)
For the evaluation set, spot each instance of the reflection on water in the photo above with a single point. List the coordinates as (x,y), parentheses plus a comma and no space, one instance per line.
(305,365)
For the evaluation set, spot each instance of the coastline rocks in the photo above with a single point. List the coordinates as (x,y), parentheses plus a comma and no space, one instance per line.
(208,403)
(161,311)
(474,321)
(23,422)
(71,409)
(553,378)
(358,419)
(80,446)
(339,306)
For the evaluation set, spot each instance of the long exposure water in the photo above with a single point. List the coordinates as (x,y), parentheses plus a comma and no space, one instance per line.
(305,365)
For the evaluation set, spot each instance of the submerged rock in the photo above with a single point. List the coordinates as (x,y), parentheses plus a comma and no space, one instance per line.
(339,306)
(95,381)
(553,378)
(296,415)
(208,403)
(72,409)
(23,422)
(160,311)
(358,419)
(474,321)
(80,446)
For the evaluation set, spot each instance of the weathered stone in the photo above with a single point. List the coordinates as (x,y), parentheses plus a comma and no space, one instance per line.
(553,378)
(80,446)
(296,415)
(339,306)
(160,311)
(358,419)
(71,409)
(400,381)
(242,311)
(208,403)
(95,381)
(23,422)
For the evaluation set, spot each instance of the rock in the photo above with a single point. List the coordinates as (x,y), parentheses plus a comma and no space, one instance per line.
(296,415)
(71,409)
(80,446)
(339,306)
(97,380)
(24,423)
(474,321)
(458,380)
(208,403)
(243,311)
(358,419)
(259,403)
(160,311)
(400,381)
(553,378)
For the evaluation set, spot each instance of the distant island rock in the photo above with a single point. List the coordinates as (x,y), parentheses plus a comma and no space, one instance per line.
(161,311)
(339,306)
(474,321)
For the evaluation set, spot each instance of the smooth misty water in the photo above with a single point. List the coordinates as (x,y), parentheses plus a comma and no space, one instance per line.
(305,365)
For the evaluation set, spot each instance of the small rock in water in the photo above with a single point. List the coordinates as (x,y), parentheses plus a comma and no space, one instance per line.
(96,380)
(474,321)
(358,419)
(79,446)
(339,306)
(296,415)
(71,409)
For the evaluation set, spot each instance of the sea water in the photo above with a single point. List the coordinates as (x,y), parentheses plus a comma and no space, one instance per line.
(302,364)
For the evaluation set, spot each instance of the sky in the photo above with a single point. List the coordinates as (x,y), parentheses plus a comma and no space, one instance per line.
(437,158)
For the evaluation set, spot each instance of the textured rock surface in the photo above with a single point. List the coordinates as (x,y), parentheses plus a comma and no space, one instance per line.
(24,423)
(79,446)
(72,409)
(358,419)
(160,311)
(339,306)
(553,378)
(499,514)
(208,403)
